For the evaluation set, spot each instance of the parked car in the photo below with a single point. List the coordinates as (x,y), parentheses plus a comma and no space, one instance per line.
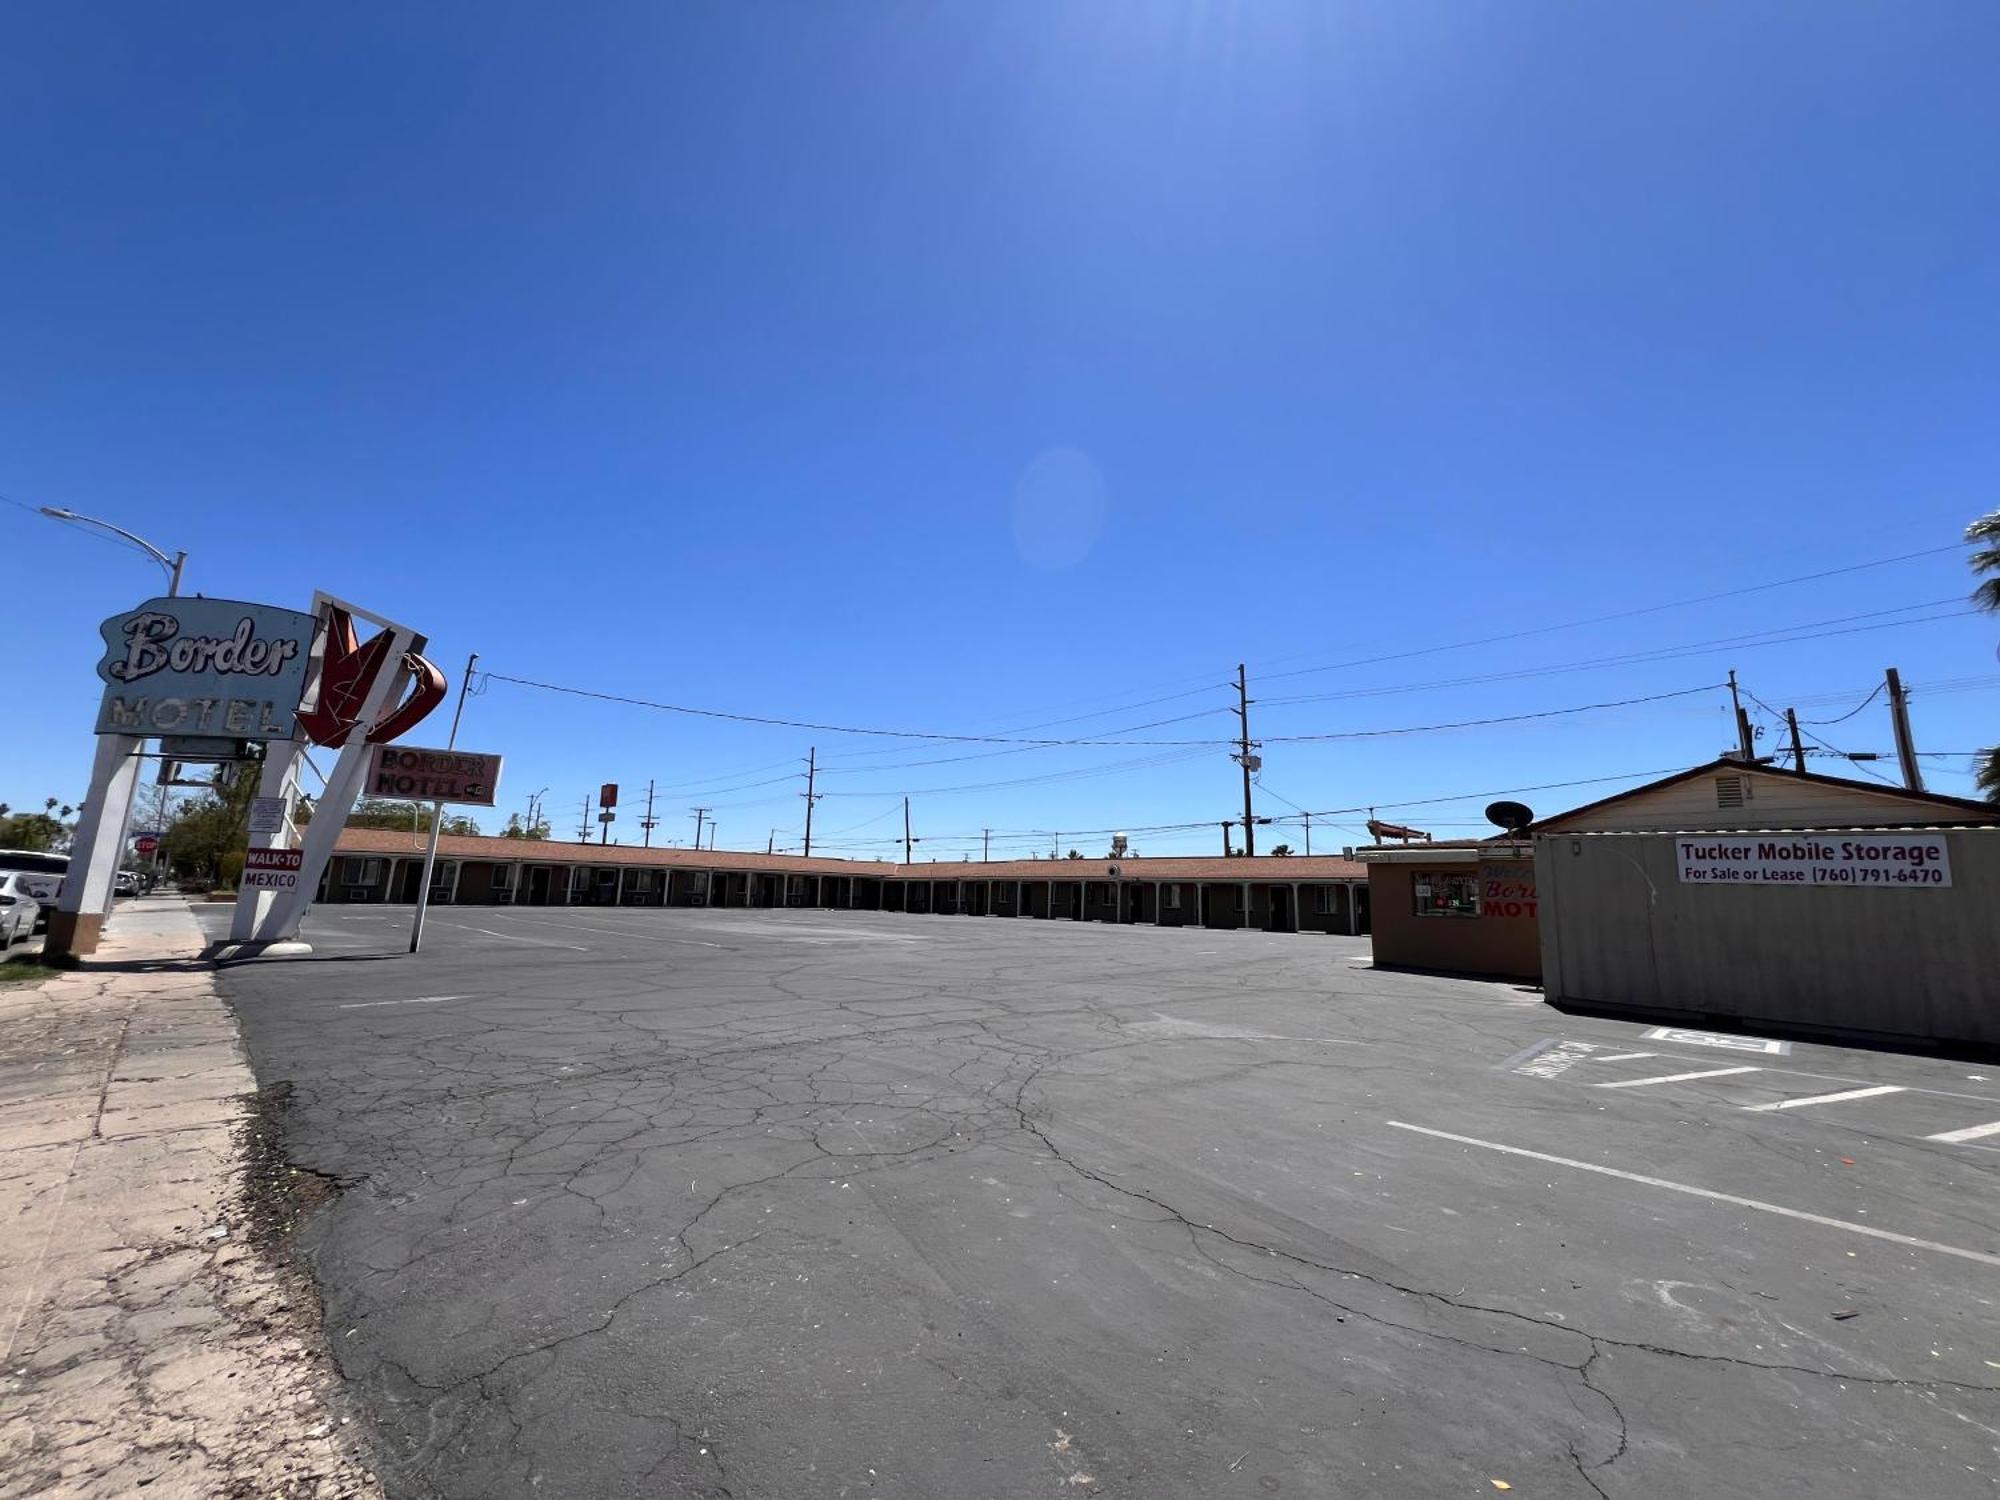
(19,909)
(45,874)
(127,883)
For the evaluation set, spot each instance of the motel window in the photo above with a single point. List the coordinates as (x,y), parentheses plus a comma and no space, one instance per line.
(607,877)
(1447,895)
(1170,897)
(364,872)
(1325,903)
(503,877)
(639,880)
(442,874)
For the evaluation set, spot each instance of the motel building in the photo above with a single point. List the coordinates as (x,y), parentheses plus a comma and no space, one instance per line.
(1282,893)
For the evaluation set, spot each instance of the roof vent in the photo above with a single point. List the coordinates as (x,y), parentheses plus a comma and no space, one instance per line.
(1732,791)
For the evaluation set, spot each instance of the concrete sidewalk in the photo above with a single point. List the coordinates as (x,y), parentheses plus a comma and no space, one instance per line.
(143,1341)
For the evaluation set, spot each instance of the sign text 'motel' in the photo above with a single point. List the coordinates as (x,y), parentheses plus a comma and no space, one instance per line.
(215,667)
(410,774)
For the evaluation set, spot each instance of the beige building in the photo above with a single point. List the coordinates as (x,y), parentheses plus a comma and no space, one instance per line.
(1474,906)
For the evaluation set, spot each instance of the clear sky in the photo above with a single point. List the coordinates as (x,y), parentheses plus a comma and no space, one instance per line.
(970,367)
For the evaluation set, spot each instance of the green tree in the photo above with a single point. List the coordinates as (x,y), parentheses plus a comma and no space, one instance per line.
(39,831)
(384,812)
(208,831)
(1984,536)
(1282,850)
(519,828)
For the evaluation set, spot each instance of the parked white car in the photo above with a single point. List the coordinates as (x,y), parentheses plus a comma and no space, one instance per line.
(45,874)
(19,910)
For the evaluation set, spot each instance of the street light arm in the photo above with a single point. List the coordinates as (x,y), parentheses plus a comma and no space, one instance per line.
(172,564)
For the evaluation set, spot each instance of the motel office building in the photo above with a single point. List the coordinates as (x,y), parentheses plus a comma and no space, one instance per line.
(1268,893)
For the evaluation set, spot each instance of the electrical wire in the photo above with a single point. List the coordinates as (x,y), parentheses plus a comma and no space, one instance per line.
(1626,614)
(1778,636)
(1879,688)
(1858,765)
(1369,734)
(785,723)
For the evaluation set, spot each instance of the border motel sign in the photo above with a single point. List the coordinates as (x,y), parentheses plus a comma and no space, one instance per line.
(205,667)
(210,674)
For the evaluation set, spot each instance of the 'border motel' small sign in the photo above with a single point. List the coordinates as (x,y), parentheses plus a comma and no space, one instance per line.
(408,773)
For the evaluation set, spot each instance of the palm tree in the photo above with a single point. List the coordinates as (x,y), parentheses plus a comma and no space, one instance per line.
(1984,535)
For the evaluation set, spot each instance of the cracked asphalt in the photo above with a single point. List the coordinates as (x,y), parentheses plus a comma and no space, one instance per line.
(800,1204)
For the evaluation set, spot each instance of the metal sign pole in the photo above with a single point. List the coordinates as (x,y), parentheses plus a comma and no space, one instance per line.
(437,816)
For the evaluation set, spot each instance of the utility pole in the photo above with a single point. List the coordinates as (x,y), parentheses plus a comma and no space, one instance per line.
(812,769)
(771,843)
(906,830)
(985,845)
(1226,826)
(1244,758)
(649,822)
(699,814)
(1906,744)
(1798,750)
(1309,833)
(583,833)
(1744,743)
(437,807)
(713,828)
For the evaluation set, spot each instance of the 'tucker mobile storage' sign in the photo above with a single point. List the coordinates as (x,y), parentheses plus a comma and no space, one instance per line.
(1890,861)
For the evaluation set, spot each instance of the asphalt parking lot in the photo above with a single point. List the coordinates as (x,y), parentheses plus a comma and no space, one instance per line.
(800,1204)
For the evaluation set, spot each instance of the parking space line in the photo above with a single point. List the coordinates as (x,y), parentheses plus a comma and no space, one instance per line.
(1970,1133)
(416,1000)
(1625,1056)
(1640,1083)
(1709,1193)
(512,937)
(1880,1088)
(648,937)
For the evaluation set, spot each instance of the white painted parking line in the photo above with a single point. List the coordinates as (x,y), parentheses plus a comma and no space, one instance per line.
(416,1000)
(1640,1083)
(1970,1133)
(647,937)
(1880,1088)
(1709,1193)
(1625,1056)
(512,937)
(1724,1039)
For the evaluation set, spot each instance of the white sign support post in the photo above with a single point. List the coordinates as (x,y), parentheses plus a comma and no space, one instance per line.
(78,920)
(280,923)
(277,782)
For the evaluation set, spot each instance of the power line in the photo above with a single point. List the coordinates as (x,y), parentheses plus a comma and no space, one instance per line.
(1625,614)
(1852,711)
(1549,713)
(1858,765)
(776,721)
(1778,636)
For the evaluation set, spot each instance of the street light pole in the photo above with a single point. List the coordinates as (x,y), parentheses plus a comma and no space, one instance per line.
(173,564)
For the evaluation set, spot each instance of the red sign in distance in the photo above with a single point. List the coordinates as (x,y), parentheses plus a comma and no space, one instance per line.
(146,844)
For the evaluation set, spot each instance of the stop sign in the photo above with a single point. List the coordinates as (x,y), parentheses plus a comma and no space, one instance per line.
(145,843)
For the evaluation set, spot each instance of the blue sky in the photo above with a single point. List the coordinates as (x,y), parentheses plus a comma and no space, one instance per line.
(966,368)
